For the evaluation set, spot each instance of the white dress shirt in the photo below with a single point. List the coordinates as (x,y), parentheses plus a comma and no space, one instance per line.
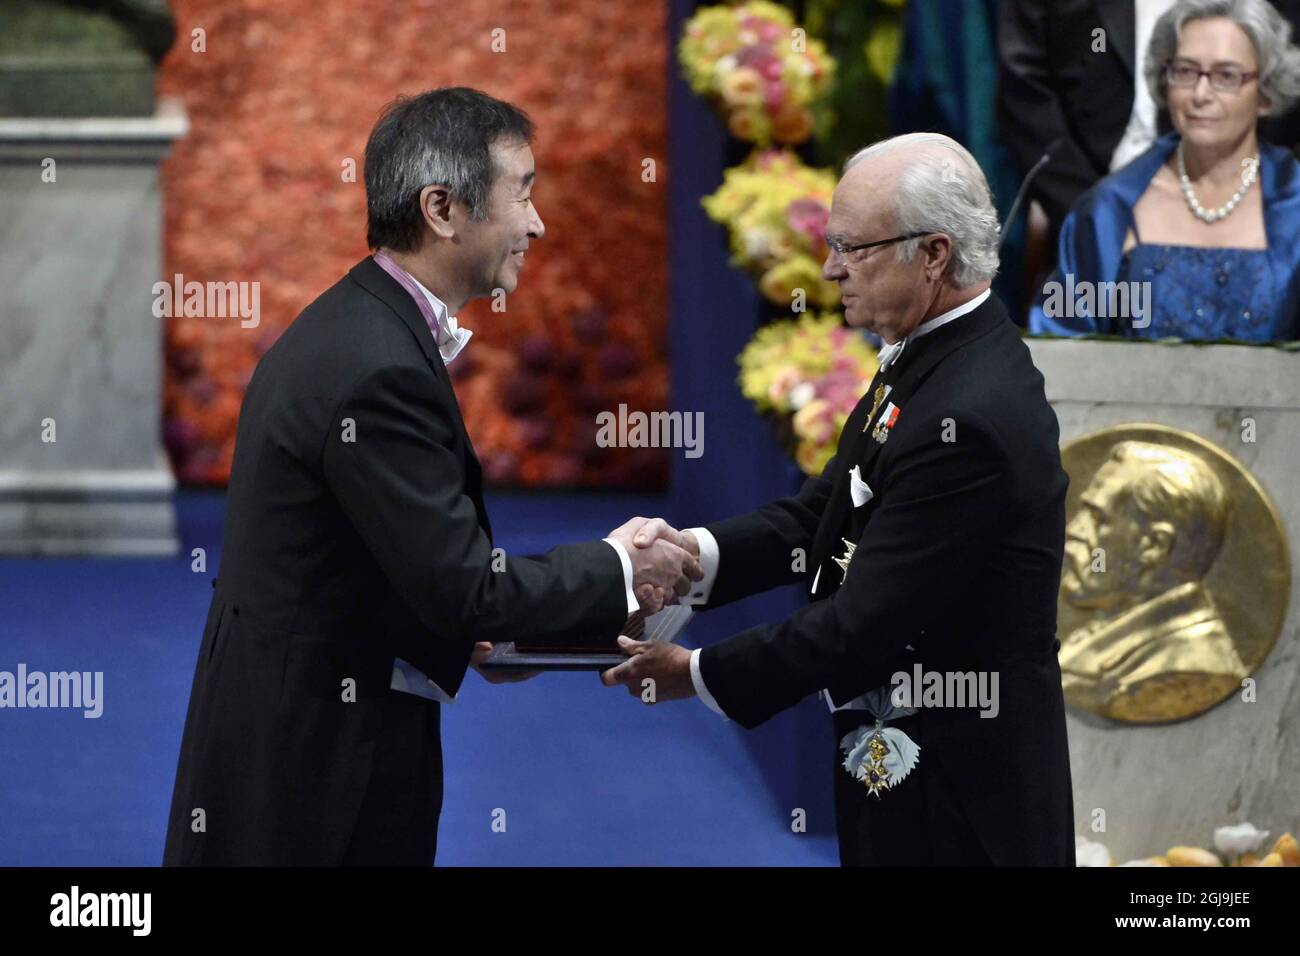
(1141,130)
(451,340)
(709,554)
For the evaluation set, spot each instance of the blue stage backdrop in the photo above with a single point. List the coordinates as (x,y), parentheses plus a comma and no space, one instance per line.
(715,310)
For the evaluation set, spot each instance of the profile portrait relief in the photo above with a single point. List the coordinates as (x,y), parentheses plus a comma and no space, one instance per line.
(1154,647)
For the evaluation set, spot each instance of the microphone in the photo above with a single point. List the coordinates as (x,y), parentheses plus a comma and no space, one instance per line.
(1034,170)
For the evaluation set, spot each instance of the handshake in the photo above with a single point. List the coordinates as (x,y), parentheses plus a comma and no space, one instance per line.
(665,562)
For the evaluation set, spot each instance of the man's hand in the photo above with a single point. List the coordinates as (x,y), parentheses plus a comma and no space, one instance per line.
(655,671)
(482,651)
(664,561)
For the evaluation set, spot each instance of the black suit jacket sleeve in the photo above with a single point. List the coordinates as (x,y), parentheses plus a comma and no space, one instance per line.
(1029,112)
(770,546)
(400,481)
(917,557)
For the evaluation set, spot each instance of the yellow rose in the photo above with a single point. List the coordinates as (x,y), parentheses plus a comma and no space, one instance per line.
(742,87)
(745,124)
(778,284)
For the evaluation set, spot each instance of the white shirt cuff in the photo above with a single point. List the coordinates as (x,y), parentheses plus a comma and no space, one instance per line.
(632,604)
(411,680)
(697,679)
(709,558)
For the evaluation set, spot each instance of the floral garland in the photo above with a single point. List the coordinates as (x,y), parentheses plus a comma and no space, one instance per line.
(809,373)
(775,209)
(768,79)
(771,84)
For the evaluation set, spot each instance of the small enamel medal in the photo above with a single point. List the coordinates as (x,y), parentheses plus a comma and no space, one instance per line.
(887,420)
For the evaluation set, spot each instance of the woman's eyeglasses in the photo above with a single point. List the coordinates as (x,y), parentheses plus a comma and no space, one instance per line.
(1225,79)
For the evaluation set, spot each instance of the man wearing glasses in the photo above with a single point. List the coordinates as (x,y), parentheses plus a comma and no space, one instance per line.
(933,544)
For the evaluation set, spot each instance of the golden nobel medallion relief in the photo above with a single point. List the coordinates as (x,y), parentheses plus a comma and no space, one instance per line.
(1176,576)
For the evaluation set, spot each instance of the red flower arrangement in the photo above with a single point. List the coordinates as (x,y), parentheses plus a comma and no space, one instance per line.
(282,98)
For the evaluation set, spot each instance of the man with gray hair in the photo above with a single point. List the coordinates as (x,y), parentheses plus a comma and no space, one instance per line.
(358,579)
(931,543)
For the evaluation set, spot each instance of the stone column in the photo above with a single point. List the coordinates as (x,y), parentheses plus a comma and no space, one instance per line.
(82,469)
(1166,784)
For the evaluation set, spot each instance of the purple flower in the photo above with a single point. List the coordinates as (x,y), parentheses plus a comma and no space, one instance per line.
(536,353)
(499,467)
(524,392)
(464,366)
(590,325)
(593,397)
(536,431)
(202,391)
(617,361)
(180,435)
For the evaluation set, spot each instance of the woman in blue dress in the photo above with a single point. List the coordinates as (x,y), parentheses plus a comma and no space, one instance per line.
(1203,229)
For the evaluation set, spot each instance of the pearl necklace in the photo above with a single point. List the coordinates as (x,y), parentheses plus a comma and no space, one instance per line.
(1249,173)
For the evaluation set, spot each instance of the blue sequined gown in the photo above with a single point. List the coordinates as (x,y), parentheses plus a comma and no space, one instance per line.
(1203,293)
(1249,295)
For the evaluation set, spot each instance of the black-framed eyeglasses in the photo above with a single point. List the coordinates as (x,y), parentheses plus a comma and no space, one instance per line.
(838,247)
(1225,79)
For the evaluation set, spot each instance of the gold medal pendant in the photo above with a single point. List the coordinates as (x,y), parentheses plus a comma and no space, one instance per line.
(876,777)
(876,399)
(880,756)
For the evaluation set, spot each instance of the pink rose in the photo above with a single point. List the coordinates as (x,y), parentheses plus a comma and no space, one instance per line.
(809,216)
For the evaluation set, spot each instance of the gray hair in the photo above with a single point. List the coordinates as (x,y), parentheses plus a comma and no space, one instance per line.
(1269,33)
(444,138)
(936,194)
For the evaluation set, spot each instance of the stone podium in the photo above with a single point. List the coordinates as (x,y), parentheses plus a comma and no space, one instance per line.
(83,470)
(81,140)
(1155,785)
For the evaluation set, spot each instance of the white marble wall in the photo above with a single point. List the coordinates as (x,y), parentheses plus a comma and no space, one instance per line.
(1173,784)
(78,340)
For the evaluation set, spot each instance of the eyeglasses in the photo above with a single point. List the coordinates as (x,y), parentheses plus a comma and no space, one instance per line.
(838,247)
(1225,79)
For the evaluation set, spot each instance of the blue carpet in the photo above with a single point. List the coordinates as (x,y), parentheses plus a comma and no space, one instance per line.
(580,774)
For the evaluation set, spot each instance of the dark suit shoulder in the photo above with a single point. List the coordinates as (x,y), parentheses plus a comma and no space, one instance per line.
(990,390)
(342,338)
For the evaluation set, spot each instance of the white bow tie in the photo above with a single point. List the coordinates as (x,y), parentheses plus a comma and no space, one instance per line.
(888,354)
(451,338)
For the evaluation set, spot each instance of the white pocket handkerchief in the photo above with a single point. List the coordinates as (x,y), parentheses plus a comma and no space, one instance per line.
(859,489)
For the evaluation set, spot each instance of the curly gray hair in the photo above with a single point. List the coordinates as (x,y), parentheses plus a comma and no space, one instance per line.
(1269,32)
